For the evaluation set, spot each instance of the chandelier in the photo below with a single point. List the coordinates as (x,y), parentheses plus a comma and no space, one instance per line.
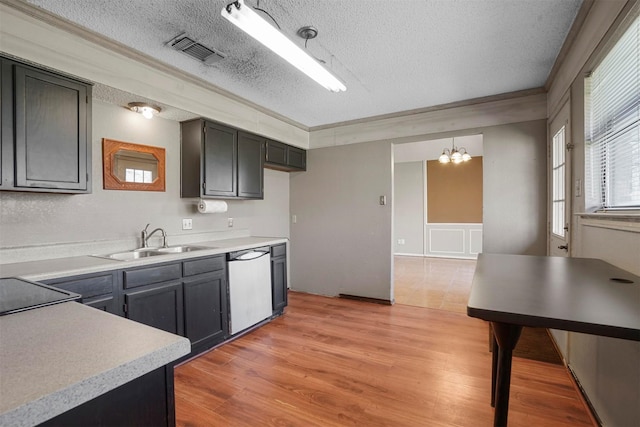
(454,155)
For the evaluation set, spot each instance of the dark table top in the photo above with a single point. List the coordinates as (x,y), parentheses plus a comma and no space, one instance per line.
(574,294)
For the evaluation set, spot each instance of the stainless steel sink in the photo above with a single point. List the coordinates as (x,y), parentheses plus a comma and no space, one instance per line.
(148,252)
(183,248)
(130,255)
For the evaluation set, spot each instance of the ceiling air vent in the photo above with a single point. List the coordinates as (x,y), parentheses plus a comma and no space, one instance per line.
(187,45)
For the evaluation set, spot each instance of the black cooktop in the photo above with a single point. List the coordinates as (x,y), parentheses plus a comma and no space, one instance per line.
(18,295)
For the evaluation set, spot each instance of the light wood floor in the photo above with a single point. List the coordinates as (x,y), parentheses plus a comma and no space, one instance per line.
(440,283)
(337,362)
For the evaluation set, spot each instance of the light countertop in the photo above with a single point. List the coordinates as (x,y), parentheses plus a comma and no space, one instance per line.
(62,267)
(55,358)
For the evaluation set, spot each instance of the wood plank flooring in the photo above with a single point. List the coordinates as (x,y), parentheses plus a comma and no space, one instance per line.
(337,362)
(441,283)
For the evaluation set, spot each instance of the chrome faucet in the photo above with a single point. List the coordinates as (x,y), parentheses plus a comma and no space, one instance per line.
(146,235)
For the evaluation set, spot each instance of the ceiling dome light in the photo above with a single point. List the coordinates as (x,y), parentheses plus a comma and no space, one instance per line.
(147,110)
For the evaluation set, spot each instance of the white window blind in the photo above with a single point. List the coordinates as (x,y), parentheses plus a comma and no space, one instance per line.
(612,119)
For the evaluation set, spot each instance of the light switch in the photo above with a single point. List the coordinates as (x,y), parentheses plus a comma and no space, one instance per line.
(230,222)
(294,218)
(578,190)
(383,200)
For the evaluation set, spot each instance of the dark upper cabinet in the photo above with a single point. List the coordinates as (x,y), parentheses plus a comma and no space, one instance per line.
(220,154)
(6,117)
(46,126)
(297,158)
(275,153)
(280,156)
(220,162)
(250,166)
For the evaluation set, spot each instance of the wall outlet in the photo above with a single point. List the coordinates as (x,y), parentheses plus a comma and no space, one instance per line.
(401,241)
(187,224)
(230,222)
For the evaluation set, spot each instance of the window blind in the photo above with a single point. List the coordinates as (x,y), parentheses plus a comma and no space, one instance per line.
(612,119)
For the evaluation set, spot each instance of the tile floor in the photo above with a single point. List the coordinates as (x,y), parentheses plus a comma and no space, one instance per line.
(441,283)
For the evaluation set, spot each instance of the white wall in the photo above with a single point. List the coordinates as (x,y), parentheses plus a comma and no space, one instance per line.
(341,242)
(36,219)
(408,208)
(515,188)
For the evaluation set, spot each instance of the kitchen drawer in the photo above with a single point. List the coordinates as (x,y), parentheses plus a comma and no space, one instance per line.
(278,251)
(149,275)
(87,286)
(203,265)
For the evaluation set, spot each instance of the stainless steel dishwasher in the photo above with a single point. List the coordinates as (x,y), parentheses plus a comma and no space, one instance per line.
(249,288)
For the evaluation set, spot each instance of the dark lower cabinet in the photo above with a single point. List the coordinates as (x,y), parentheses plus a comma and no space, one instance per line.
(145,401)
(158,305)
(205,310)
(99,290)
(107,304)
(279,278)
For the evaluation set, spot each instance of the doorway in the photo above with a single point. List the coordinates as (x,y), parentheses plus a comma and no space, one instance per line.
(435,249)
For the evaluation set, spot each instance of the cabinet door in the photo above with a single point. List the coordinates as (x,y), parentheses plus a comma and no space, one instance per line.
(220,159)
(297,158)
(159,306)
(205,309)
(275,152)
(6,125)
(51,146)
(279,283)
(250,166)
(99,290)
(107,304)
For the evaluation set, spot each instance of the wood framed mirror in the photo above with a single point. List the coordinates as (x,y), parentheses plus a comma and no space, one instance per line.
(128,166)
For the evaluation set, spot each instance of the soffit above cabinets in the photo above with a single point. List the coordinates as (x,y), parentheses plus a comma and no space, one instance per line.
(393,56)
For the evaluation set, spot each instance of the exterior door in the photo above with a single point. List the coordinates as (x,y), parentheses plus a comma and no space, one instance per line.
(560,200)
(560,184)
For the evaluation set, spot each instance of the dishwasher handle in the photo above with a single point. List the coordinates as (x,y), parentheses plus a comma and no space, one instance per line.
(248,254)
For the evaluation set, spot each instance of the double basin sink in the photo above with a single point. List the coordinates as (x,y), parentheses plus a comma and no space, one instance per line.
(149,252)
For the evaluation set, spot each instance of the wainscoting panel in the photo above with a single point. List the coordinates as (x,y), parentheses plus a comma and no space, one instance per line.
(463,240)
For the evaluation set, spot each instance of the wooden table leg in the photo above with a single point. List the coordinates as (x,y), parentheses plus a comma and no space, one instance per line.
(494,368)
(507,337)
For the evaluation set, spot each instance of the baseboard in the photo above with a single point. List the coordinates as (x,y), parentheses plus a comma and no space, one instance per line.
(585,399)
(366,299)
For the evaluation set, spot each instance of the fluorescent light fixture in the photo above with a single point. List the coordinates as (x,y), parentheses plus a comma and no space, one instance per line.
(253,24)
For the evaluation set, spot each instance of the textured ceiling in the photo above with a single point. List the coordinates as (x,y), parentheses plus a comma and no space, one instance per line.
(393,55)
